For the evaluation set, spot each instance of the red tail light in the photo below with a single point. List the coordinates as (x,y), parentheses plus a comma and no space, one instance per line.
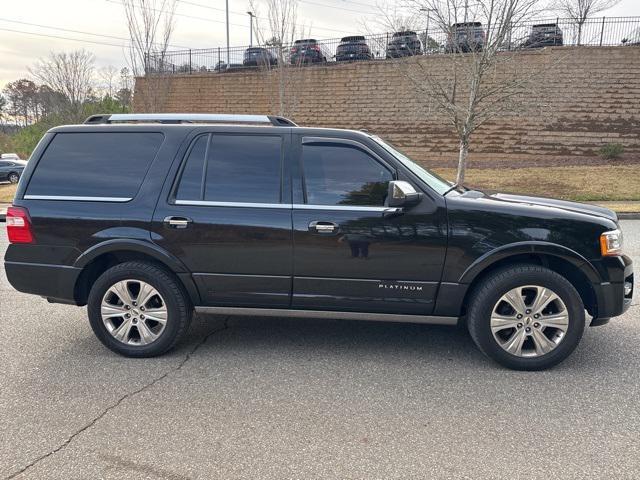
(294,49)
(19,225)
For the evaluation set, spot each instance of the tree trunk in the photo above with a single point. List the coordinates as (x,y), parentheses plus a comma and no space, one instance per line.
(462,160)
(579,33)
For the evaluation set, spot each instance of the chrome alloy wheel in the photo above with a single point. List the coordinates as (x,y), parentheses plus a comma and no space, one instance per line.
(134,312)
(529,321)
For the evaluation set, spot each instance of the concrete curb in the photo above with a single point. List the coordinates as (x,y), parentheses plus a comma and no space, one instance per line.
(629,215)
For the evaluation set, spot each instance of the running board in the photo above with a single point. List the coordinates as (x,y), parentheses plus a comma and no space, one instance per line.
(286,312)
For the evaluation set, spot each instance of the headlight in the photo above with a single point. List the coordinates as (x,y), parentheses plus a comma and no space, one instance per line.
(611,243)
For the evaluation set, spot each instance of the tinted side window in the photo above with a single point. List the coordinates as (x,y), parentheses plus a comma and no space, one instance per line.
(244,168)
(239,168)
(340,175)
(190,186)
(109,164)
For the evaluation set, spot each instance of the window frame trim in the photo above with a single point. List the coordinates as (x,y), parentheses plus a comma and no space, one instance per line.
(173,200)
(319,140)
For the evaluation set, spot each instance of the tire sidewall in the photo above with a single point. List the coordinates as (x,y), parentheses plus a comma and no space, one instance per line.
(13,176)
(485,302)
(168,335)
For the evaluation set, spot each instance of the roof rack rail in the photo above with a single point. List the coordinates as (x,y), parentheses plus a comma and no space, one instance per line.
(177,118)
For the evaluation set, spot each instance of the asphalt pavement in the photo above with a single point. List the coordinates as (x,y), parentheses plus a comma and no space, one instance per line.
(276,398)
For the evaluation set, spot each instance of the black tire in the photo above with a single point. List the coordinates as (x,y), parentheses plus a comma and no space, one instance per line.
(486,296)
(13,177)
(179,309)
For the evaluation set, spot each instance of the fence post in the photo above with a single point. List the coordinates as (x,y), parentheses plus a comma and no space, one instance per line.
(602,31)
(189,61)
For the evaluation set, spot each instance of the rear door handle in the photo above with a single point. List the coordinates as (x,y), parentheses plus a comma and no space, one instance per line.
(177,222)
(323,227)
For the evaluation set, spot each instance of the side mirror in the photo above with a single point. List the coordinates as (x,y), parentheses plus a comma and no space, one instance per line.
(402,194)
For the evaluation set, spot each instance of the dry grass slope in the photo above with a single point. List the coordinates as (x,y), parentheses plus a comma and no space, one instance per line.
(581,183)
(7,192)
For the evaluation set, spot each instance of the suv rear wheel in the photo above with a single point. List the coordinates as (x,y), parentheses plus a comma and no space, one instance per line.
(13,177)
(526,317)
(138,310)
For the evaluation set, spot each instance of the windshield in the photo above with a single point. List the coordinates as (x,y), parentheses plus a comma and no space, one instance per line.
(436,182)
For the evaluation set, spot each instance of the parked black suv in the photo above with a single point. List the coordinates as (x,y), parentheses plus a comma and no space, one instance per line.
(258,57)
(163,215)
(353,48)
(404,44)
(544,35)
(465,37)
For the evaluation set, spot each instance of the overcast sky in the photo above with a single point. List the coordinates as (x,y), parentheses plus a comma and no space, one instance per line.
(29,29)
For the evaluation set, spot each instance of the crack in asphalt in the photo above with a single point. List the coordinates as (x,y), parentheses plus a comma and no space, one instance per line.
(115,405)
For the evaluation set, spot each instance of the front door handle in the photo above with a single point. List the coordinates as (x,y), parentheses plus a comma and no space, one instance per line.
(323,227)
(177,222)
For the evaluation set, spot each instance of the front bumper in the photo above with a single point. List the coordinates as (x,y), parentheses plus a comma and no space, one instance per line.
(614,298)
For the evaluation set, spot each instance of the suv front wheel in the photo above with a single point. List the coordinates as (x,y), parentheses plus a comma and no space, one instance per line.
(526,317)
(138,309)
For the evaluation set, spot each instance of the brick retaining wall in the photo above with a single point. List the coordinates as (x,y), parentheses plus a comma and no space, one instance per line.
(589,96)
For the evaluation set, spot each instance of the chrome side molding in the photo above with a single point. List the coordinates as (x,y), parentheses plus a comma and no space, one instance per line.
(325,314)
(77,199)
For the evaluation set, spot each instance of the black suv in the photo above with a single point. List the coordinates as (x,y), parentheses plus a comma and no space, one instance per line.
(465,37)
(544,35)
(404,44)
(353,48)
(164,215)
(258,57)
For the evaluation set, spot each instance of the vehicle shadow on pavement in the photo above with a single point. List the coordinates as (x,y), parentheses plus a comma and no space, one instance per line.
(342,338)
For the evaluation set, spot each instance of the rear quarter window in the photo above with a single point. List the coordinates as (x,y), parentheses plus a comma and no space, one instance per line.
(101,164)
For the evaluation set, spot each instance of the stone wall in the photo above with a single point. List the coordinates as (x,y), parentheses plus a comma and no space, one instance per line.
(586,98)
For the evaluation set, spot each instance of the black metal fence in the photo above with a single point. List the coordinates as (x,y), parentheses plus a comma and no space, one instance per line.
(602,31)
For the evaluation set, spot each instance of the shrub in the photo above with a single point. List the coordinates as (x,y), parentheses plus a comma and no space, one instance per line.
(611,151)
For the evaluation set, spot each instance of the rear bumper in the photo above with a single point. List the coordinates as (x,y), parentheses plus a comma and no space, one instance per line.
(345,57)
(51,281)
(611,296)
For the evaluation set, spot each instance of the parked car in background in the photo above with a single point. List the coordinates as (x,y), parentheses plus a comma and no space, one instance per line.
(353,48)
(404,44)
(259,57)
(308,50)
(465,37)
(11,169)
(544,35)
(633,39)
(222,66)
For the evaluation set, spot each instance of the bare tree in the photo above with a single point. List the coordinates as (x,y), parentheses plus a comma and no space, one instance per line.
(71,74)
(109,77)
(278,35)
(151,24)
(580,10)
(475,80)
(3,107)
